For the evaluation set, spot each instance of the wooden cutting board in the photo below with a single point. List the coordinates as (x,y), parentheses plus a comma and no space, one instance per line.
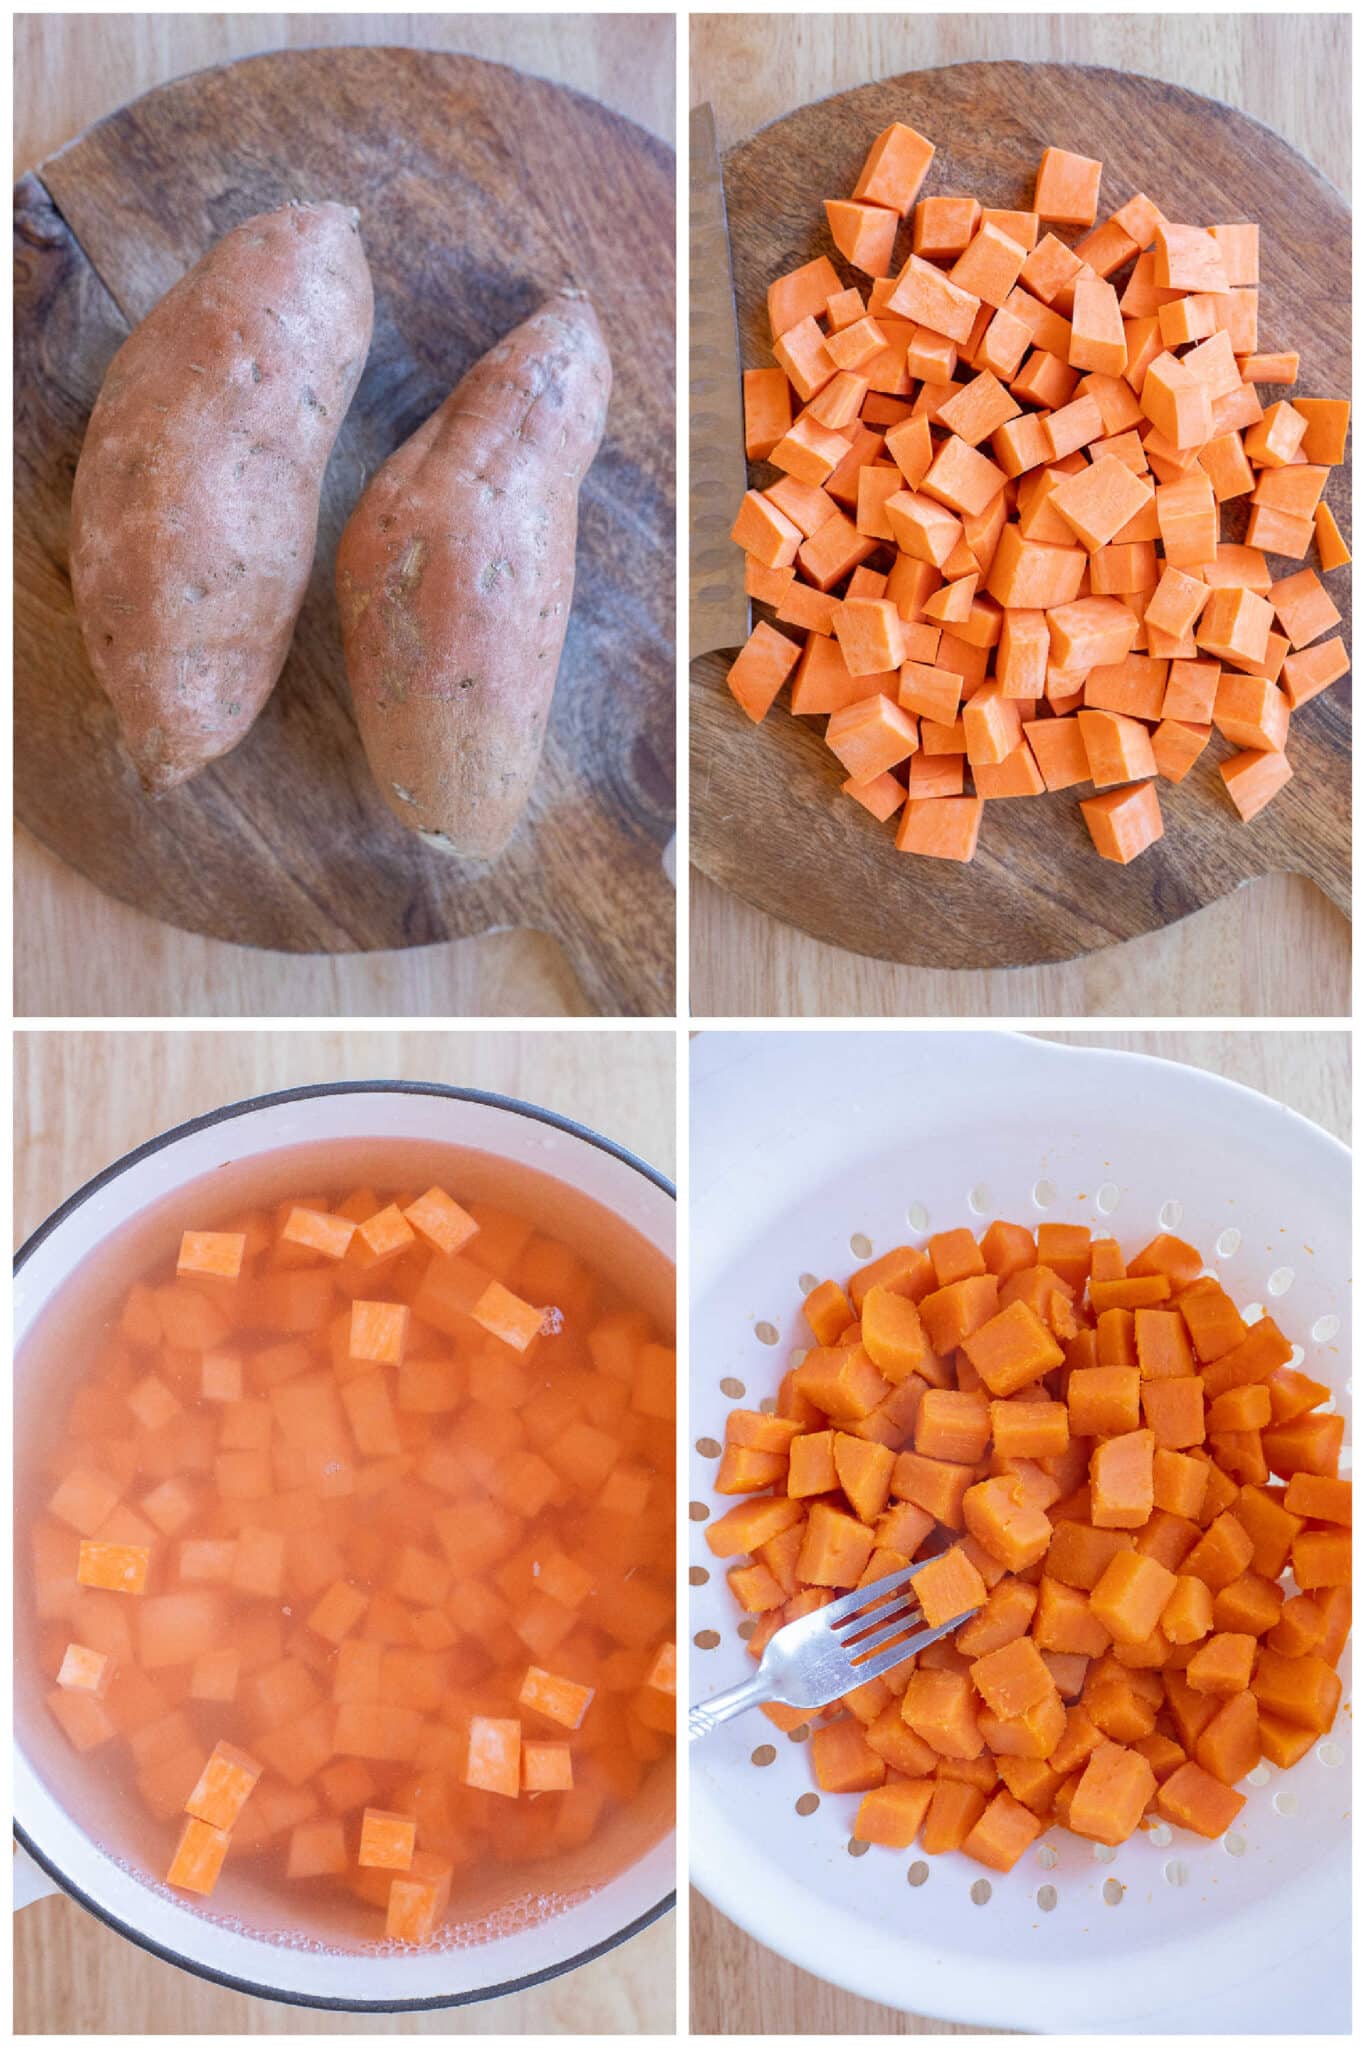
(768,820)
(480,190)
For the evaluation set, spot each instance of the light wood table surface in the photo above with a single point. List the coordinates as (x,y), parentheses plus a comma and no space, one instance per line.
(1277,948)
(82,1099)
(79,953)
(736,1985)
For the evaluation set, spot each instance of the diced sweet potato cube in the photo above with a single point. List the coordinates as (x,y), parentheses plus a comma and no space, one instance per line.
(387,1840)
(226,1783)
(440,1221)
(561,1700)
(546,1767)
(215,1254)
(378,1331)
(117,1567)
(198,1858)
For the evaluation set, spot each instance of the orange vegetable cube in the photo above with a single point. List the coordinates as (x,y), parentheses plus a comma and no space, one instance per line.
(558,1699)
(387,1840)
(216,1254)
(117,1567)
(378,1331)
(198,1858)
(225,1784)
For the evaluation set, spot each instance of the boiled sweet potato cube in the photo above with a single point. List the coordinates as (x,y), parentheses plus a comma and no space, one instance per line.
(1222,1664)
(1192,1799)
(940,1707)
(1012,1349)
(842,1759)
(1121,1480)
(892,1815)
(1002,1833)
(947,1586)
(1005,1522)
(893,1335)
(1112,1796)
(1012,1678)
(954,1810)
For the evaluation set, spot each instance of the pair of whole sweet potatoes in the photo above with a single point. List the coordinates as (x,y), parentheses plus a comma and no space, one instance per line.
(195,514)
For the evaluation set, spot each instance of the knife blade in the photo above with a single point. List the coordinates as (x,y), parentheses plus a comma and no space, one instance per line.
(718,478)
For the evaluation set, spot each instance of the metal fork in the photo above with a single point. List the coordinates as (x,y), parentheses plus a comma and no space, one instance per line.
(818,1658)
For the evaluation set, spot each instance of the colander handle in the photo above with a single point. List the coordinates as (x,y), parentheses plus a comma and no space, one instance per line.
(709,1714)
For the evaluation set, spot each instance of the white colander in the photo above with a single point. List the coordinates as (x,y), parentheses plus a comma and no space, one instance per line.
(813,1151)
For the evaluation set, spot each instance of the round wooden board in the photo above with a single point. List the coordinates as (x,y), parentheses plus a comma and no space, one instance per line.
(768,820)
(480,190)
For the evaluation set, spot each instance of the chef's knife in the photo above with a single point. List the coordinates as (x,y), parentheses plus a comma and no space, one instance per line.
(719,608)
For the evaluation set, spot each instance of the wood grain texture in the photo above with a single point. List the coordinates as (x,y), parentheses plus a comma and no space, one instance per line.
(81,1100)
(736,1985)
(546,198)
(1239,955)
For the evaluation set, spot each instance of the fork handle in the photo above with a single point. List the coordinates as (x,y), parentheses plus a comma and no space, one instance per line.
(710,1713)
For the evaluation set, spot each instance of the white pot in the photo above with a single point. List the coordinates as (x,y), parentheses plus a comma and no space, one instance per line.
(81,1829)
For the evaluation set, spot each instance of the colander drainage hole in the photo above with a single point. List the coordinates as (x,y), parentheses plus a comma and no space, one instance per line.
(801,1734)
(860,1244)
(1102,1852)
(732,1389)
(980,1893)
(697,1511)
(747,1627)
(1176,1873)
(1228,1243)
(807,1282)
(768,1405)
(1047,1857)
(764,1754)
(1280,1281)
(856,1848)
(1106,1201)
(1258,1776)
(1046,1895)
(1113,1892)
(1160,1835)
(706,1638)
(808,1804)
(1331,1754)
(979,1200)
(1286,1803)
(1325,1329)
(766,1333)
(697,1575)
(917,1874)
(1044,1194)
(917,1216)
(1235,1845)
(1171,1215)
(707,1447)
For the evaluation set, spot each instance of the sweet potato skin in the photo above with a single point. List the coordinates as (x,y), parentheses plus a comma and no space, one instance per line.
(195,508)
(455,579)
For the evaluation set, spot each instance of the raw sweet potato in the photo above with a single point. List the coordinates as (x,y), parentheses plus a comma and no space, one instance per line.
(455,578)
(195,508)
